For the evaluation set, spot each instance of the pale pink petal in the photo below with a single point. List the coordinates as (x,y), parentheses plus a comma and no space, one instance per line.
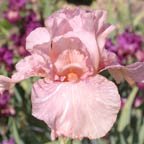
(107,59)
(38,36)
(90,43)
(86,108)
(132,73)
(57,24)
(87,25)
(68,54)
(33,65)
(5,83)
(102,35)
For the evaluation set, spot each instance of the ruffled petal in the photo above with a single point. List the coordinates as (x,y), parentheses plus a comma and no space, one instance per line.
(132,73)
(57,24)
(38,36)
(86,108)
(68,54)
(87,25)
(89,42)
(33,65)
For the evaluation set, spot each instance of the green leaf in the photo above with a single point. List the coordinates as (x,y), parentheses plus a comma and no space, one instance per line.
(126,112)
(47,7)
(17,95)
(138,18)
(76,142)
(122,139)
(26,85)
(141,134)
(14,131)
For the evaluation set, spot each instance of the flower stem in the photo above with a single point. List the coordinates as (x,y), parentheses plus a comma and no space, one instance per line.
(63,140)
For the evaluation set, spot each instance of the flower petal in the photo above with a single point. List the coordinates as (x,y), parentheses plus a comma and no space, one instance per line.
(33,65)
(87,108)
(69,53)
(132,73)
(57,24)
(108,58)
(87,25)
(5,83)
(38,36)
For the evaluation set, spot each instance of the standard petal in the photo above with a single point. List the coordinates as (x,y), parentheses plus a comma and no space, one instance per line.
(70,53)
(102,35)
(57,24)
(87,108)
(90,43)
(38,36)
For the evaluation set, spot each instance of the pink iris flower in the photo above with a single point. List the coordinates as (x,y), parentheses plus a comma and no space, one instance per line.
(72,98)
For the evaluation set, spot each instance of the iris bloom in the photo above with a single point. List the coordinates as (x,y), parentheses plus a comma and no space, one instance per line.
(72,98)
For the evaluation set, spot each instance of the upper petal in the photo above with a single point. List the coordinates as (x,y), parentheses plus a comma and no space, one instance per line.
(87,108)
(70,53)
(38,36)
(57,24)
(89,41)
(88,25)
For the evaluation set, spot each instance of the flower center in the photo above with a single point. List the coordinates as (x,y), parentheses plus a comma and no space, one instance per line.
(72,77)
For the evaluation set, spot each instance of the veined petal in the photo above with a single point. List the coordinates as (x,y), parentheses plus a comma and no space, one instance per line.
(108,58)
(38,36)
(90,43)
(87,25)
(86,108)
(33,65)
(132,73)
(69,53)
(57,24)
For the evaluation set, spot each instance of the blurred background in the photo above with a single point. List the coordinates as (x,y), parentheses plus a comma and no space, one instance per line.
(18,18)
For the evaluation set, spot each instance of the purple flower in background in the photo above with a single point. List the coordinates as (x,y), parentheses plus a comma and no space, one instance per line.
(140,86)
(16,4)
(30,22)
(4,99)
(12,16)
(128,46)
(5,108)
(140,54)
(110,45)
(13,12)
(10,141)
(138,101)
(6,57)
(129,42)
